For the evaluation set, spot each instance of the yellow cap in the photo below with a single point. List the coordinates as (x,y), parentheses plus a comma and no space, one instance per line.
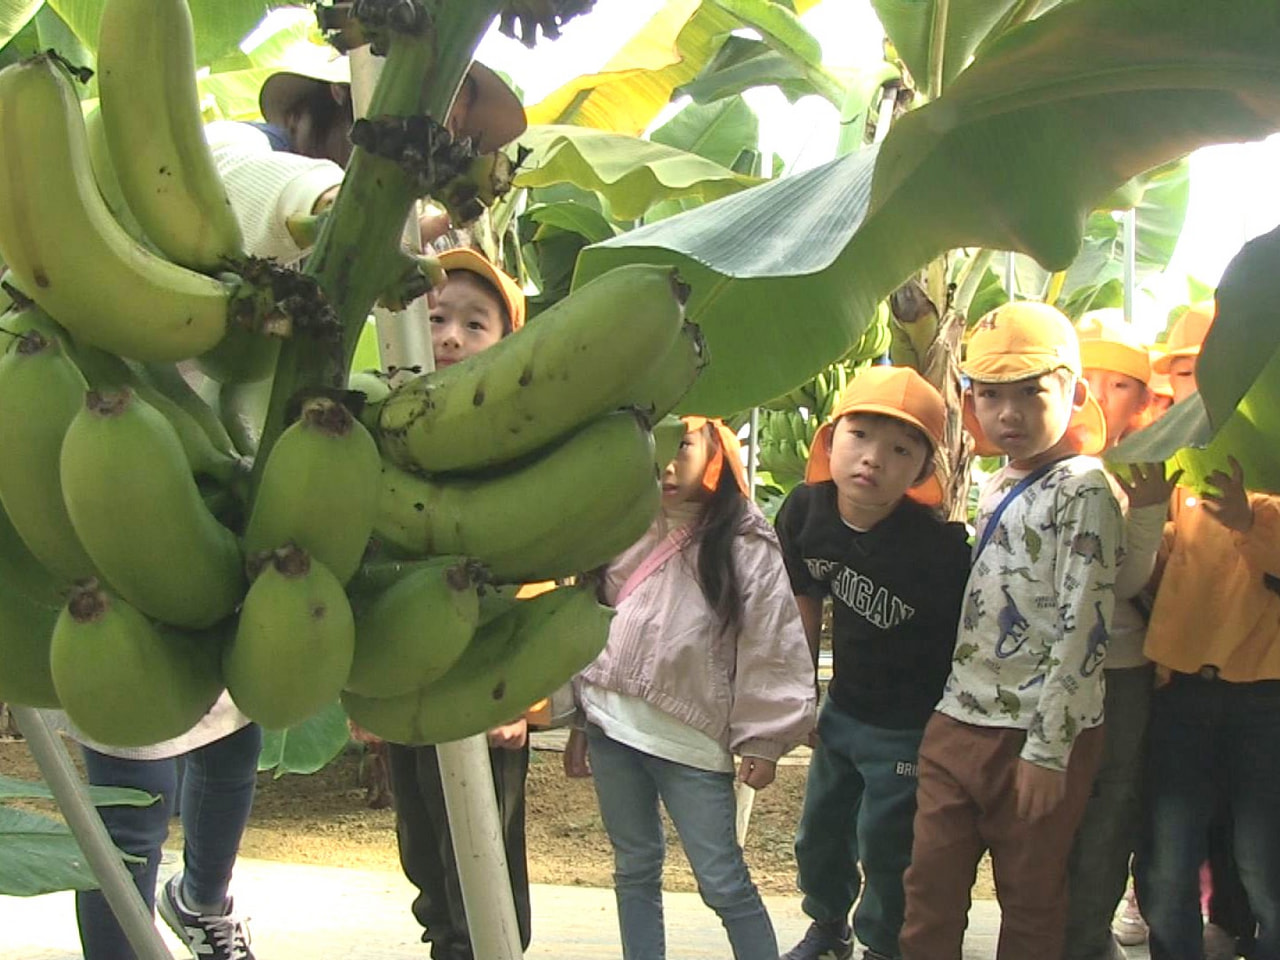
(897,392)
(1020,340)
(473,261)
(1187,335)
(1106,343)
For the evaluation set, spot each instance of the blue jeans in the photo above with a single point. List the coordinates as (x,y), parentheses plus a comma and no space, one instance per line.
(629,784)
(1210,743)
(217,793)
(859,802)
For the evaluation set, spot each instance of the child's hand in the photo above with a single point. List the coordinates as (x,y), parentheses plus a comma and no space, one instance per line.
(575,755)
(1039,789)
(510,736)
(1231,508)
(1147,485)
(756,772)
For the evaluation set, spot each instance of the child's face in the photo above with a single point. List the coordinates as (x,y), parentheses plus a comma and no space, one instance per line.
(682,479)
(1182,377)
(466,319)
(876,459)
(1028,419)
(1123,399)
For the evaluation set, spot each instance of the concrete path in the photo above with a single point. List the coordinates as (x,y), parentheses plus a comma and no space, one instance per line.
(330,913)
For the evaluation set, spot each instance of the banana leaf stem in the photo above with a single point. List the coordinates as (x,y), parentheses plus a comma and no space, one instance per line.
(357,254)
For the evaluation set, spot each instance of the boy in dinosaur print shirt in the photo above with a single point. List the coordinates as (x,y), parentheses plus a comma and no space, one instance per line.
(1008,758)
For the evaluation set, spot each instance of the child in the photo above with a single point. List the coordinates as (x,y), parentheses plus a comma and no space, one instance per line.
(1008,758)
(706,658)
(1215,631)
(1118,369)
(861,531)
(478,306)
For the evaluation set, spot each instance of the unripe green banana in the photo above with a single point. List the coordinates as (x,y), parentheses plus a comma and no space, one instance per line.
(41,392)
(65,247)
(104,175)
(242,409)
(319,489)
(514,661)
(416,630)
(124,681)
(29,605)
(666,383)
(293,645)
(169,380)
(151,116)
(573,508)
(242,356)
(139,514)
(579,359)
(668,433)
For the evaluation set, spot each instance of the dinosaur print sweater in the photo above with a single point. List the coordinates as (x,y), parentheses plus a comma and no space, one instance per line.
(1036,614)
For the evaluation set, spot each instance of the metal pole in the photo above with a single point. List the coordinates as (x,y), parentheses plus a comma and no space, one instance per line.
(1011,274)
(404,341)
(1130,222)
(104,859)
(753,448)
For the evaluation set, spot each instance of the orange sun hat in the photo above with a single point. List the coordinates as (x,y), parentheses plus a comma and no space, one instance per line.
(1021,340)
(897,392)
(728,451)
(473,261)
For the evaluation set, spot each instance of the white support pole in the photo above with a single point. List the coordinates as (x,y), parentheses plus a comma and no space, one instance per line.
(753,450)
(1130,221)
(404,341)
(1011,274)
(86,826)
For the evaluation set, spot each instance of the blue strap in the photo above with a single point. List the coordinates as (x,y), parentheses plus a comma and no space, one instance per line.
(1009,497)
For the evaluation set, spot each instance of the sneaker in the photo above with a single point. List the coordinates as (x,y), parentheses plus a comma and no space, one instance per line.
(214,937)
(1128,927)
(823,941)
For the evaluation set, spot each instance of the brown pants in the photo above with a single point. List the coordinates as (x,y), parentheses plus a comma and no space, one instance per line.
(966,804)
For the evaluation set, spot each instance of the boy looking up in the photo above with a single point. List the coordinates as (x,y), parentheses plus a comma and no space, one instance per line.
(861,531)
(1009,756)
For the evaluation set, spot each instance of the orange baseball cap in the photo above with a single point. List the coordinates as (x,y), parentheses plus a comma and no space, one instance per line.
(1187,335)
(728,451)
(897,392)
(1106,343)
(473,261)
(1021,340)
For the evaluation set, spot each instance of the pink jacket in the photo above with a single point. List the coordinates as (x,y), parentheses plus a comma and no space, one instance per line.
(752,691)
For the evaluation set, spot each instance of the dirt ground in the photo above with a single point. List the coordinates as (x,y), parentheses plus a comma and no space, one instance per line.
(323,819)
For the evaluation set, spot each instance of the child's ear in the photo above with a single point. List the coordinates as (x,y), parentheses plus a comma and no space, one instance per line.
(1081,394)
(928,470)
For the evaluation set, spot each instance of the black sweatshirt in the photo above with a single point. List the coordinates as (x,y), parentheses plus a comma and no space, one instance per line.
(896,594)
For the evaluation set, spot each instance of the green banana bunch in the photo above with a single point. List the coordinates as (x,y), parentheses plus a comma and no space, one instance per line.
(319,489)
(155,133)
(416,629)
(293,645)
(66,249)
(572,508)
(41,391)
(515,660)
(658,393)
(124,681)
(139,514)
(875,340)
(784,445)
(29,603)
(577,361)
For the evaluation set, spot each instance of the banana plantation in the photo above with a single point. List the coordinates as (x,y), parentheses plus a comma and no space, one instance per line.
(228,474)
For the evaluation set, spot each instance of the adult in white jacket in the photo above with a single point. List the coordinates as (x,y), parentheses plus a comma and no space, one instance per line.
(706,659)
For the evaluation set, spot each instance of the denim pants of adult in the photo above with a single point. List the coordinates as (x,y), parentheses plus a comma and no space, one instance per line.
(217,794)
(426,844)
(629,784)
(1108,834)
(1210,742)
(859,801)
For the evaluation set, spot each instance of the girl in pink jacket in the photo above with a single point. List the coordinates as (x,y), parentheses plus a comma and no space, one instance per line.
(706,660)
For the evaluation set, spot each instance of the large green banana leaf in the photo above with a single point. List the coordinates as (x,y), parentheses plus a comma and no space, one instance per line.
(1051,119)
(14,15)
(633,87)
(307,746)
(1237,410)
(630,174)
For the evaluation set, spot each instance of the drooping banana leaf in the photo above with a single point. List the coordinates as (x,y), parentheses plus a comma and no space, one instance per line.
(630,174)
(1050,120)
(715,131)
(307,746)
(14,15)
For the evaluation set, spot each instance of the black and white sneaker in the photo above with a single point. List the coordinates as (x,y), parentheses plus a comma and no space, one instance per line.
(823,941)
(212,937)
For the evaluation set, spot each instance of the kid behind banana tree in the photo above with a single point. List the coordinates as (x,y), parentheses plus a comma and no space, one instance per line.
(862,531)
(1008,758)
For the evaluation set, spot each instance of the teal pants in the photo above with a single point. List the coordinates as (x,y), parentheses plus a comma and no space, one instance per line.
(854,840)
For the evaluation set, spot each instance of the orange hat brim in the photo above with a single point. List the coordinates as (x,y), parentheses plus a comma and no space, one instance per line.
(472,261)
(928,492)
(729,450)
